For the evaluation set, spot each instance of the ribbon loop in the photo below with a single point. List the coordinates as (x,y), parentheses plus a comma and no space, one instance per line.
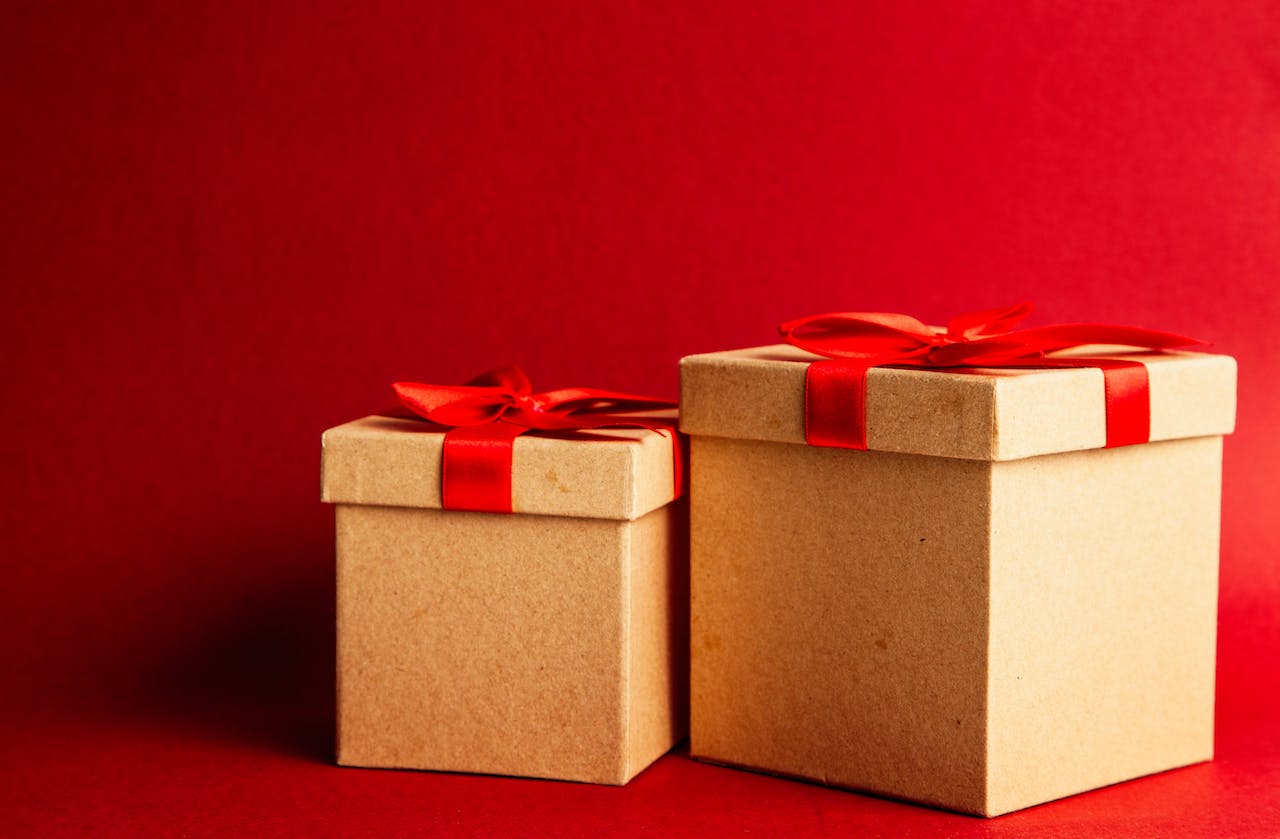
(860,335)
(986,322)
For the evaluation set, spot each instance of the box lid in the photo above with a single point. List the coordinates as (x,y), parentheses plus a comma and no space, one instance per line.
(975,414)
(608,473)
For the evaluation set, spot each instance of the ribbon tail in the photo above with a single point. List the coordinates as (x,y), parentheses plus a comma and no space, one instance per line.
(1127,388)
(475,473)
(679,453)
(679,457)
(835,404)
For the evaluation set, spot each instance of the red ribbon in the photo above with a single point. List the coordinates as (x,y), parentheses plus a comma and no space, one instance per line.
(486,415)
(855,342)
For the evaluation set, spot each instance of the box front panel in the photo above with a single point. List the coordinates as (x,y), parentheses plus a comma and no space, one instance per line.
(1103,617)
(481,643)
(839,616)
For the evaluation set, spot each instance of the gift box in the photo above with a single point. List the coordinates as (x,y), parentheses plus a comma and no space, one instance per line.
(509,603)
(978,588)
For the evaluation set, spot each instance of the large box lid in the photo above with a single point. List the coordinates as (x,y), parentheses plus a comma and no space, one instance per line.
(974,414)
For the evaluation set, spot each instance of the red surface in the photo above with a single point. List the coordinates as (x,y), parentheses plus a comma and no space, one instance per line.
(228,226)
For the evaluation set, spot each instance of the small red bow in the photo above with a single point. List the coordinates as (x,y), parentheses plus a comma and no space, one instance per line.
(835,390)
(486,415)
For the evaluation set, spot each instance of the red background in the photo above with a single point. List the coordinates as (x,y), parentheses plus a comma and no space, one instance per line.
(229,226)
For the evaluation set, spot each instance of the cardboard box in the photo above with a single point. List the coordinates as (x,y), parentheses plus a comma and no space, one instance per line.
(985,611)
(550,642)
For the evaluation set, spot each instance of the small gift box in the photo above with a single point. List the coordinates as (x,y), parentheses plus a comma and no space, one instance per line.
(512,582)
(982,577)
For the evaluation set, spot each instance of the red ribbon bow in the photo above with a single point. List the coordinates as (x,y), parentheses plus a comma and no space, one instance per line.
(836,389)
(486,415)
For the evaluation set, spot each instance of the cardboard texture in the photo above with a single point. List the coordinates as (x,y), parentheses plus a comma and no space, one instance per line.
(549,645)
(981,631)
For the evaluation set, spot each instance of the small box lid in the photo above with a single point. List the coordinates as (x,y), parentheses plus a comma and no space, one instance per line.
(976,414)
(608,474)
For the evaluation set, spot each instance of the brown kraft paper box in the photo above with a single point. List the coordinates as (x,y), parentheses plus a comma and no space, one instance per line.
(549,643)
(985,611)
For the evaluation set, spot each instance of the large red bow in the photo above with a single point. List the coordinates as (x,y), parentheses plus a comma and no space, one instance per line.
(835,390)
(486,415)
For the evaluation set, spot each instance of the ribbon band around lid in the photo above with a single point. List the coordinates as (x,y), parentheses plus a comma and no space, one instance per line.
(485,416)
(855,342)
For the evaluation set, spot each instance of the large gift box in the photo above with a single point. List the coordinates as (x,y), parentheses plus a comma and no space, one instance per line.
(509,602)
(976,587)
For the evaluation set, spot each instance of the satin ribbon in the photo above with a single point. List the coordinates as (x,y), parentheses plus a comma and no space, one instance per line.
(486,415)
(855,342)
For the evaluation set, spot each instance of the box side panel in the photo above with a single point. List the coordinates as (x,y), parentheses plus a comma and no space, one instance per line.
(1103,617)
(481,643)
(658,635)
(839,624)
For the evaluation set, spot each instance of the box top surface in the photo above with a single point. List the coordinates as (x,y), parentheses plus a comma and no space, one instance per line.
(979,414)
(608,474)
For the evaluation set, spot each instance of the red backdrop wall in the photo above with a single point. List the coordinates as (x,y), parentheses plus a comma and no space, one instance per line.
(229,226)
